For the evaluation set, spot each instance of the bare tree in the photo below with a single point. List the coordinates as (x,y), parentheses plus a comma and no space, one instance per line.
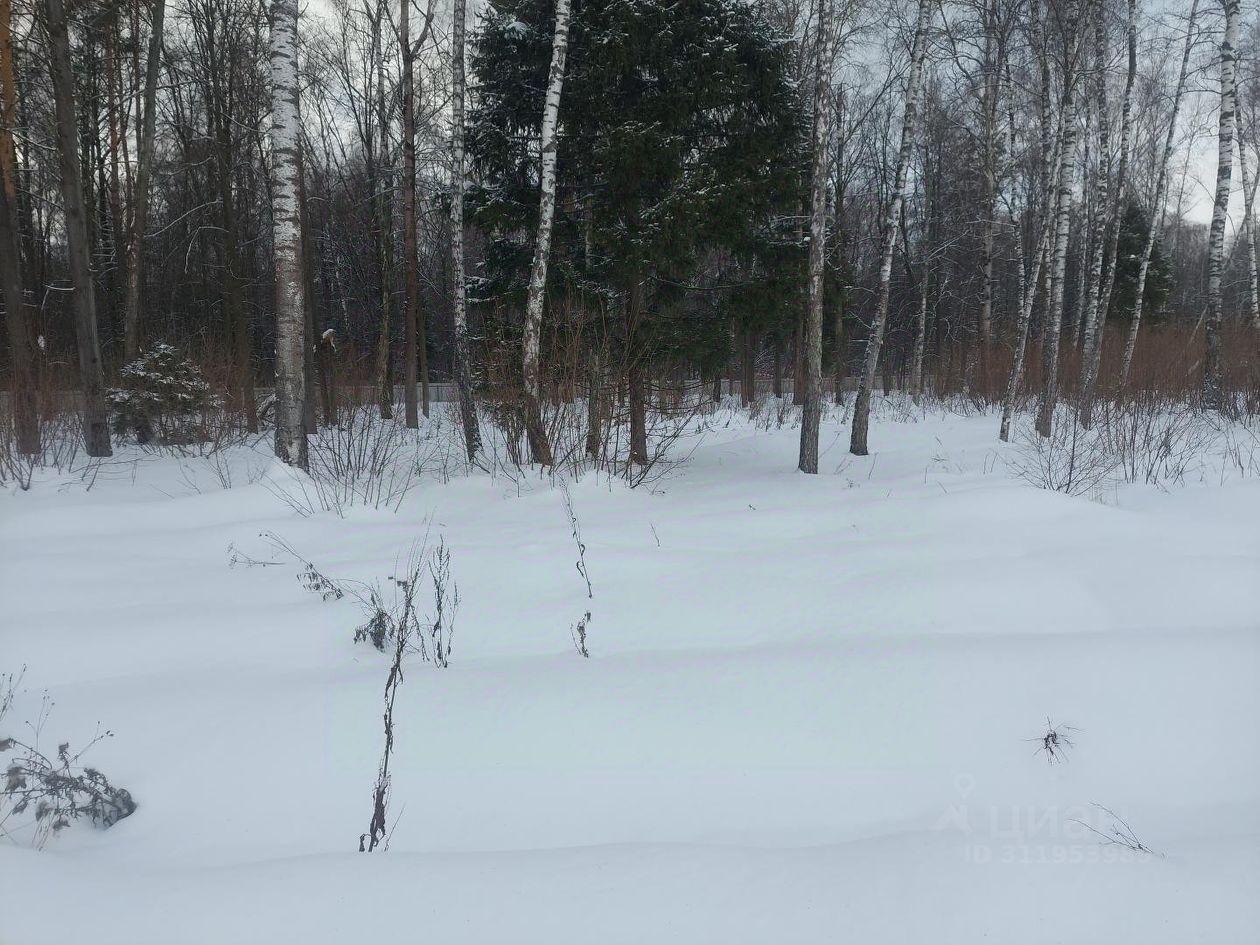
(539,445)
(287,236)
(463,370)
(1108,235)
(1213,390)
(1063,210)
(1157,207)
(874,341)
(91,376)
(140,197)
(1249,233)
(414,346)
(811,411)
(17,316)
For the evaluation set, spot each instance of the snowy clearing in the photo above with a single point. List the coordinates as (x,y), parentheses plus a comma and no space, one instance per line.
(812,712)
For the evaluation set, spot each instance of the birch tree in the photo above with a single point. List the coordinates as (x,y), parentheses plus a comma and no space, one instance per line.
(91,376)
(1063,211)
(1213,391)
(874,341)
(811,410)
(1094,309)
(287,237)
(463,372)
(1093,350)
(1157,207)
(539,445)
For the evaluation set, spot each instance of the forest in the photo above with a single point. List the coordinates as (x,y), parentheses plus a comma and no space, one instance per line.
(754,471)
(1006,202)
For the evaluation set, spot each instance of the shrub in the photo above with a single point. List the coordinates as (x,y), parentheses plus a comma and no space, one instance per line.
(56,789)
(163,397)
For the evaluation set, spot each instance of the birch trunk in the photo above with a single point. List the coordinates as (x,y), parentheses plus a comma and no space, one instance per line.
(1157,208)
(287,237)
(539,445)
(811,335)
(1102,216)
(463,372)
(91,375)
(1066,183)
(1213,382)
(1029,283)
(1093,357)
(874,341)
(140,206)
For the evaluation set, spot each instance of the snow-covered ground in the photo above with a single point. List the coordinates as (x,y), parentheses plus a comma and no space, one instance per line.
(810,713)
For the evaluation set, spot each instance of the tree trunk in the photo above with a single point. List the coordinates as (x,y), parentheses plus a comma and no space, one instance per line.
(862,404)
(140,197)
(17,320)
(778,367)
(920,337)
(748,383)
(1066,182)
(463,370)
(1249,234)
(539,445)
(1093,357)
(1029,284)
(989,106)
(1093,316)
(1157,208)
(810,388)
(287,237)
(593,384)
(636,395)
(411,271)
(91,376)
(310,317)
(1213,380)
(22,392)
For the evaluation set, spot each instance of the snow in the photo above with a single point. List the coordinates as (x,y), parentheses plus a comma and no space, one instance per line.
(809,714)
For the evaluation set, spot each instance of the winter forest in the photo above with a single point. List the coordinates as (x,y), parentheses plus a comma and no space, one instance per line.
(645,471)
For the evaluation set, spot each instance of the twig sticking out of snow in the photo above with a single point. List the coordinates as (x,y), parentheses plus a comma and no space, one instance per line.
(1119,833)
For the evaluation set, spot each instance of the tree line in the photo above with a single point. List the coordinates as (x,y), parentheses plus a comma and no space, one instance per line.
(615,199)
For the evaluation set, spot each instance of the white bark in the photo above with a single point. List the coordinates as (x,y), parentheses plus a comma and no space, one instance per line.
(1213,392)
(1028,284)
(463,371)
(539,445)
(1157,207)
(1093,352)
(1066,185)
(287,237)
(874,341)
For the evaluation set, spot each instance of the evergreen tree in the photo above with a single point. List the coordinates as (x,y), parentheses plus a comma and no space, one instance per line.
(680,133)
(1133,231)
